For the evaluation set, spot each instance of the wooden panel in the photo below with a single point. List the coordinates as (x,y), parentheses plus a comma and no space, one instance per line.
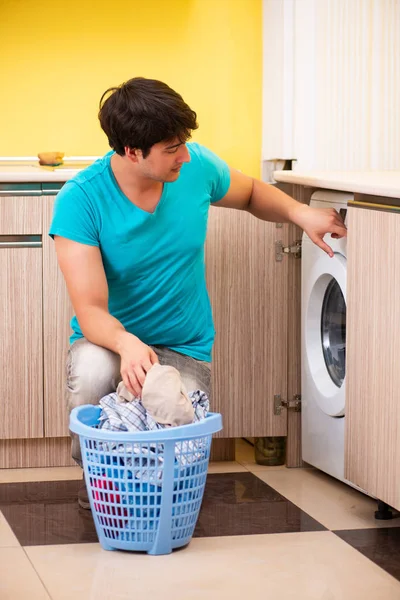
(372,450)
(44,452)
(20,215)
(248,291)
(57,310)
(293,448)
(222,449)
(21,343)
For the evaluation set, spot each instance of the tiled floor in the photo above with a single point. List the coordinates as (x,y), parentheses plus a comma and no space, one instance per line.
(270,531)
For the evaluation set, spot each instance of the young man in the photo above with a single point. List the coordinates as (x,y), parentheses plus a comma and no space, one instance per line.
(129,233)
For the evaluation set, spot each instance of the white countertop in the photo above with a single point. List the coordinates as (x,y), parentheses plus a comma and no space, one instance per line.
(28,170)
(34,174)
(377,183)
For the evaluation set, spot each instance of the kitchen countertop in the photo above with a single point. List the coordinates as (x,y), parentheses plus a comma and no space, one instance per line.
(35,174)
(376,183)
(24,171)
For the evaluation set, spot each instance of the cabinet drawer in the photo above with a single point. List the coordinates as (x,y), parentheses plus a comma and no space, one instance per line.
(20,211)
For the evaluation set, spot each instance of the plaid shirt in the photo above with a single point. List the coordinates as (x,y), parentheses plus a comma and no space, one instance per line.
(132,416)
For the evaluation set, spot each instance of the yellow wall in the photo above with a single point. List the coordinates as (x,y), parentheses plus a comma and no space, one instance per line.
(58,57)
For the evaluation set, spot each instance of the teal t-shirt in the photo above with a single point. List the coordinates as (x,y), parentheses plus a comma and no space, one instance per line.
(154,262)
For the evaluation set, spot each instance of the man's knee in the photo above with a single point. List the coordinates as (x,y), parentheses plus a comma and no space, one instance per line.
(92,372)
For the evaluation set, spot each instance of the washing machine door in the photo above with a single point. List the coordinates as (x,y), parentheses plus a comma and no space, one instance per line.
(325,332)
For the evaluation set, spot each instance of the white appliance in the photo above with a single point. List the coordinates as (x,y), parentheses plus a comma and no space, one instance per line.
(323,345)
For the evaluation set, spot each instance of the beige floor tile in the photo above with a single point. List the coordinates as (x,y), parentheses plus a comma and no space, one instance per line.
(329,501)
(291,566)
(226,467)
(18,579)
(40,474)
(7,537)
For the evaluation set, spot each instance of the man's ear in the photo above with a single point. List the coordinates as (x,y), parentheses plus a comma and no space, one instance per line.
(133,154)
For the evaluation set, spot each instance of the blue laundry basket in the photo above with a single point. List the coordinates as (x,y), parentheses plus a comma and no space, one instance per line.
(146,488)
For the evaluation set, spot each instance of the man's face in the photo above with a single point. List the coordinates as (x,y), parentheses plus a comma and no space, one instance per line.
(164,161)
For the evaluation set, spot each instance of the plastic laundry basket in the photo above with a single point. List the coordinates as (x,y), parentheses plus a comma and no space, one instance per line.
(146,488)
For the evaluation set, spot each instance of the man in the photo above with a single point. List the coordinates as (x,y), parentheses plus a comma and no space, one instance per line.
(129,233)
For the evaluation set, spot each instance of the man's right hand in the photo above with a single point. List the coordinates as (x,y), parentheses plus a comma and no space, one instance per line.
(136,360)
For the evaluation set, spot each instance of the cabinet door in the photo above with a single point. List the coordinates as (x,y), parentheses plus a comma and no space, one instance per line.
(373,354)
(57,311)
(21,349)
(248,292)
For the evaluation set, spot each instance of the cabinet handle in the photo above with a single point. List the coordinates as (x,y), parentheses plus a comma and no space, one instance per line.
(20,241)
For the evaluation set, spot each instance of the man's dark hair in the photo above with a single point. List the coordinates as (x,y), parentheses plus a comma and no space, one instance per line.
(142,112)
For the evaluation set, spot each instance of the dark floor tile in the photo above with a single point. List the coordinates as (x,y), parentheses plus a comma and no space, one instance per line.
(382,546)
(242,504)
(31,492)
(234,504)
(46,512)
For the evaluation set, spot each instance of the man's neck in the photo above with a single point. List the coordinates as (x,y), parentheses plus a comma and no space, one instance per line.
(125,172)
(142,191)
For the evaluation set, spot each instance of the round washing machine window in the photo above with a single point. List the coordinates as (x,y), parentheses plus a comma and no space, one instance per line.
(333,332)
(325,332)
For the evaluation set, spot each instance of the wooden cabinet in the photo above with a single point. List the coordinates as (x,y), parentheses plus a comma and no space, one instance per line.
(36,311)
(373,353)
(256,305)
(21,334)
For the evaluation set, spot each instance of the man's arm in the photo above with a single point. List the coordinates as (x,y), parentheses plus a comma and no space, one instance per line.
(83,271)
(266,202)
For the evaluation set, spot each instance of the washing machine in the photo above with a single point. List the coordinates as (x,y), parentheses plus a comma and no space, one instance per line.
(323,345)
